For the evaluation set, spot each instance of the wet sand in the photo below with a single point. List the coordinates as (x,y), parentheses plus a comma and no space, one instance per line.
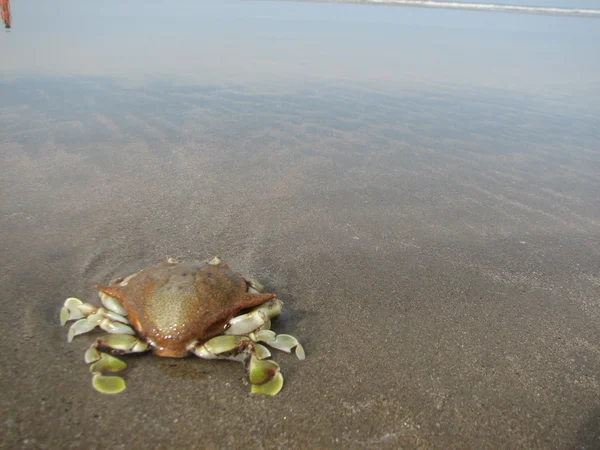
(437,252)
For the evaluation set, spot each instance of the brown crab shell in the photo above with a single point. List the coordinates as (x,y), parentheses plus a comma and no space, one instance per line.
(174,305)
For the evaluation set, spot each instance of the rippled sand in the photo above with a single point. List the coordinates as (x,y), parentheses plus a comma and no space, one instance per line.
(437,252)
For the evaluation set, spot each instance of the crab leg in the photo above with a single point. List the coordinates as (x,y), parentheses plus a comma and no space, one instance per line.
(240,339)
(283,342)
(103,363)
(121,344)
(256,325)
(112,317)
(240,342)
(264,374)
(257,319)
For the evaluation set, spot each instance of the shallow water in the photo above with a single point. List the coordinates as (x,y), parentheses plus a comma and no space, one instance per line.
(421,188)
(580,8)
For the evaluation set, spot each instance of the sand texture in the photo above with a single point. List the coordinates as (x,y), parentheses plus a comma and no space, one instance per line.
(438,253)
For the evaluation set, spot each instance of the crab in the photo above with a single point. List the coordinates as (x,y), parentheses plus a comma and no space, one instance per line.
(175,309)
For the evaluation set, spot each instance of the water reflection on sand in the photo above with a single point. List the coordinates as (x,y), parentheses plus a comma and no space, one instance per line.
(431,226)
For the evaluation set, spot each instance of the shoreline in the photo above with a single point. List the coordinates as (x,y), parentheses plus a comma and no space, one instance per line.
(468,6)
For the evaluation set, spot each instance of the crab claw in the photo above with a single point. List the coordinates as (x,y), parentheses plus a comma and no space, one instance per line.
(254,285)
(121,343)
(257,319)
(224,347)
(246,323)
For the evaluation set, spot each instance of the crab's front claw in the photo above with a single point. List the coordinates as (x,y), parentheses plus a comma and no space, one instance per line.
(234,348)
(257,319)
(254,286)
(120,344)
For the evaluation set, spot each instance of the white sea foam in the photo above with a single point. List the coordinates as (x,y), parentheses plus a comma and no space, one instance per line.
(491,7)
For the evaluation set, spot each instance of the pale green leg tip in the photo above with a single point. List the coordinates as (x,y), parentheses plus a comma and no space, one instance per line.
(271,387)
(108,384)
(64,316)
(284,342)
(215,261)
(107,363)
(264,336)
(261,351)
(255,284)
(262,370)
(92,355)
(82,326)
(70,310)
(300,352)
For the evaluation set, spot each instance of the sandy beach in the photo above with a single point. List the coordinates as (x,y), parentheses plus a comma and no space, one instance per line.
(437,248)
(445,291)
